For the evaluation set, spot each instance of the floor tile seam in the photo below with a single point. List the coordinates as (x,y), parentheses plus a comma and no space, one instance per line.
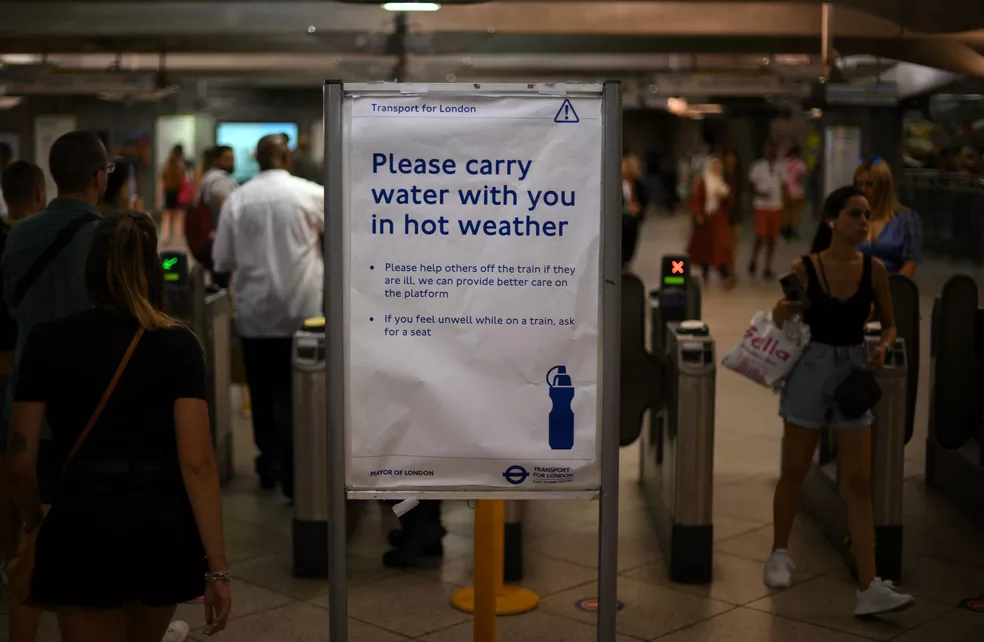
(731,537)
(947,559)
(400,633)
(690,626)
(932,619)
(561,559)
(691,590)
(520,584)
(301,600)
(901,586)
(233,618)
(572,618)
(326,609)
(825,627)
(677,630)
(277,591)
(259,526)
(822,626)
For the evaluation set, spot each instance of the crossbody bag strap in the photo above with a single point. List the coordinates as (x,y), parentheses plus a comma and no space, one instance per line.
(65,236)
(105,397)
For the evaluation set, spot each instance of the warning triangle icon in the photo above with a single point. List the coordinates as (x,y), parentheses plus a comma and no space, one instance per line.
(566,113)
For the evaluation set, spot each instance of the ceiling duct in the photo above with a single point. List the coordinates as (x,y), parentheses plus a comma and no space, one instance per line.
(81,84)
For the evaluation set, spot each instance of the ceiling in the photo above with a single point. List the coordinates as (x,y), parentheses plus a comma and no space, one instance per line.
(299,42)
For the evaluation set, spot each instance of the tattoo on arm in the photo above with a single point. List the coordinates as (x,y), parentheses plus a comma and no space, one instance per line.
(18,443)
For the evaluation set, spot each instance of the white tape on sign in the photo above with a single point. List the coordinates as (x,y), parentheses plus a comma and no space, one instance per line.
(405,506)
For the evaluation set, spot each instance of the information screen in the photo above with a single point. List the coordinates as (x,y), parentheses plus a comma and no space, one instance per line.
(243,137)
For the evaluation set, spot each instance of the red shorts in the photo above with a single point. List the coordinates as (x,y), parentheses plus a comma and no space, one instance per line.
(768,223)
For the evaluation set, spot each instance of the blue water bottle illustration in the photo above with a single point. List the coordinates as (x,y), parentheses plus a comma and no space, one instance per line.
(561,434)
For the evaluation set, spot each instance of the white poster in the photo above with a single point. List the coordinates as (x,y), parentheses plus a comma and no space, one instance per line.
(171,131)
(48,129)
(13,140)
(842,155)
(473,301)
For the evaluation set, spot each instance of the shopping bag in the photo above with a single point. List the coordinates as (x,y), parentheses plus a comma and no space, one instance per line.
(767,354)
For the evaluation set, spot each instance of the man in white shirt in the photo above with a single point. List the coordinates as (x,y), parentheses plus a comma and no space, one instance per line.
(268,238)
(767,183)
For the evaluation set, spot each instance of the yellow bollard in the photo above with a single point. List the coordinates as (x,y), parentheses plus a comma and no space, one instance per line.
(489,596)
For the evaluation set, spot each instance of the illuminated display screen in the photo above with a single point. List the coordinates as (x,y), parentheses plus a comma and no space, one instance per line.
(175,266)
(243,137)
(676,270)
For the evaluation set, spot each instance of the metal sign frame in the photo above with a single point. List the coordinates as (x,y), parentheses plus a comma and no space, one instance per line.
(336,283)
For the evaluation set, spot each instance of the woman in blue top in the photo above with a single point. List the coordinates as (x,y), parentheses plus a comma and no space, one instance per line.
(895,233)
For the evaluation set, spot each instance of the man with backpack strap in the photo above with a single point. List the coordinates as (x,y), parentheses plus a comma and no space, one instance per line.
(203,219)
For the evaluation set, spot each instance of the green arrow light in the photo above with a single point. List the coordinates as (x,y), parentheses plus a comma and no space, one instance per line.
(169,263)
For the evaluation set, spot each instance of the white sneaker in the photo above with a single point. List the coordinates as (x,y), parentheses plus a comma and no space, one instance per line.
(881,597)
(779,569)
(177,631)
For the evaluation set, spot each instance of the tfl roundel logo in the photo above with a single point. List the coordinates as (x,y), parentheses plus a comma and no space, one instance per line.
(515,475)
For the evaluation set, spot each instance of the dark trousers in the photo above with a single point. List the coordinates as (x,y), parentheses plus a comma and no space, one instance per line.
(423,521)
(268,374)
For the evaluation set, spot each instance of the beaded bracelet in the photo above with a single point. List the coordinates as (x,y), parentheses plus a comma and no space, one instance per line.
(218,576)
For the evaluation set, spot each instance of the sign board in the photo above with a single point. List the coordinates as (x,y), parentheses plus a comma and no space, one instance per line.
(473,282)
(472,298)
(841,155)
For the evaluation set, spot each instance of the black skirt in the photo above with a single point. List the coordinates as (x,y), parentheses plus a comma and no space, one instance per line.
(114,538)
(170,199)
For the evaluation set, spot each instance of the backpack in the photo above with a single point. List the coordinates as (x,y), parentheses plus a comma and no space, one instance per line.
(199,228)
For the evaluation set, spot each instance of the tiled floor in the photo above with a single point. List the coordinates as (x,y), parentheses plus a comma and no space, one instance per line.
(944,560)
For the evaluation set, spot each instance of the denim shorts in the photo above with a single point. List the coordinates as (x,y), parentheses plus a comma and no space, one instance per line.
(807,396)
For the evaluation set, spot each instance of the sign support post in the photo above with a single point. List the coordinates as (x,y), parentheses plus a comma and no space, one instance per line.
(335,363)
(561,141)
(611,323)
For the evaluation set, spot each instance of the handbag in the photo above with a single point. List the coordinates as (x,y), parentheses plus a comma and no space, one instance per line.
(186,193)
(859,391)
(20,569)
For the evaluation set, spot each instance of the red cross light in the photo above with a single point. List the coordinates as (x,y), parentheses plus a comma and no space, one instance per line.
(676,267)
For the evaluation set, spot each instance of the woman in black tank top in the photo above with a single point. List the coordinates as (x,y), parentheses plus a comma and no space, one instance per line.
(841,284)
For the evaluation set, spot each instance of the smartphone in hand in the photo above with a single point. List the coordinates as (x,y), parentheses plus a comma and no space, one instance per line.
(793,290)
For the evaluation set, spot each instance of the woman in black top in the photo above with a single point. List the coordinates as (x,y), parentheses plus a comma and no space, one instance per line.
(841,285)
(136,523)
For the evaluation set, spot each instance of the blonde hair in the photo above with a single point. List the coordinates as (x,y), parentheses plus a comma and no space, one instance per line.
(633,166)
(884,202)
(124,272)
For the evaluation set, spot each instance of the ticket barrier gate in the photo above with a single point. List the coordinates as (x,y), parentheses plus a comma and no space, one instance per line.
(673,379)
(955,444)
(676,457)
(820,495)
(208,312)
(309,389)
